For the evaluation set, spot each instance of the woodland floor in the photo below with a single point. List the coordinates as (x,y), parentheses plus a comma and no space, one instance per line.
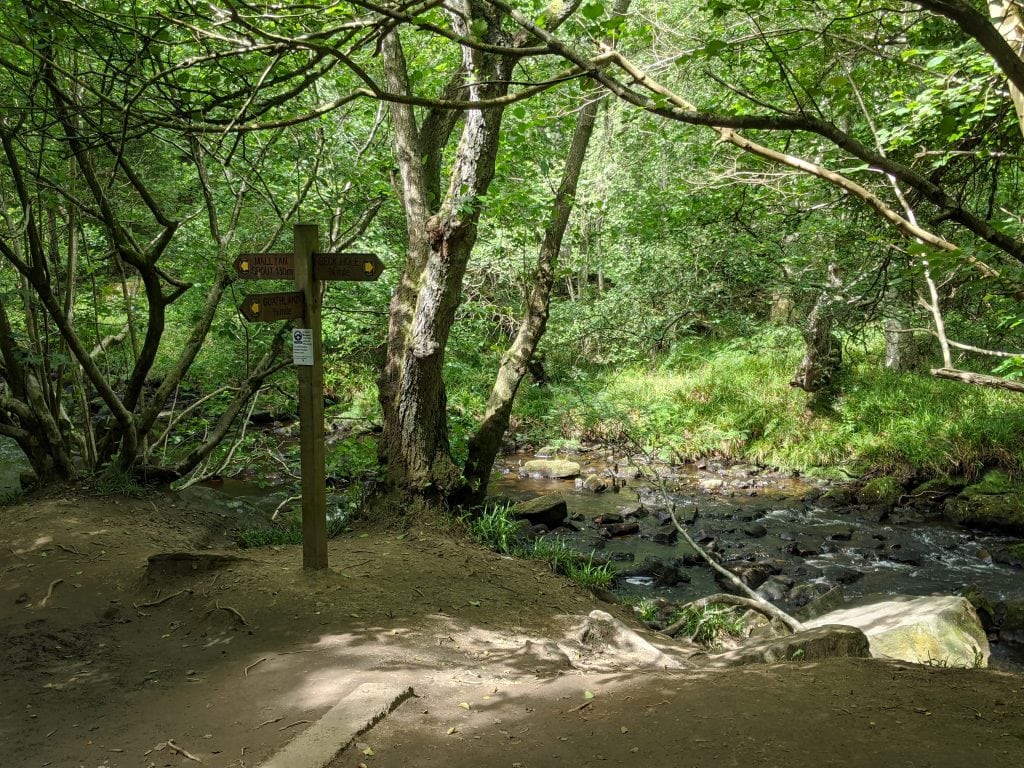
(102,662)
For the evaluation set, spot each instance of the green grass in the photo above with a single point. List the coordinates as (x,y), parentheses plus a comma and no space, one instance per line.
(114,481)
(709,625)
(287,531)
(733,400)
(496,529)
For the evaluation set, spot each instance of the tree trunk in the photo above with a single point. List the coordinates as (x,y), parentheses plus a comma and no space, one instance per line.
(485,443)
(824,353)
(414,444)
(899,346)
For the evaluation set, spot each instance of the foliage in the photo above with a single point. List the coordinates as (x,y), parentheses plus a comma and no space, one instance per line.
(709,625)
(646,609)
(731,399)
(287,531)
(496,529)
(114,481)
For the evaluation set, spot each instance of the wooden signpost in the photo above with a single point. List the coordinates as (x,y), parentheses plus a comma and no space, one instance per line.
(307,268)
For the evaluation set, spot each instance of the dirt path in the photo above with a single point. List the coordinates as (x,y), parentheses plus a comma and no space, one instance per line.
(104,662)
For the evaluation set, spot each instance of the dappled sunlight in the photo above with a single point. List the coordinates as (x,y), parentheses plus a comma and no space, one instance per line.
(39,543)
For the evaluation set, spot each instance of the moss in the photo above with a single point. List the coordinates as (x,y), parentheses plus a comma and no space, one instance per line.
(882,490)
(1016,551)
(994,482)
(990,512)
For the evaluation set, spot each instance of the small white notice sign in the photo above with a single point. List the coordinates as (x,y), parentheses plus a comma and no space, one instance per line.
(302,346)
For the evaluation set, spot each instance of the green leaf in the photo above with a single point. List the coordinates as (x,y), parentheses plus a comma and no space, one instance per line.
(715,47)
(478,29)
(592,11)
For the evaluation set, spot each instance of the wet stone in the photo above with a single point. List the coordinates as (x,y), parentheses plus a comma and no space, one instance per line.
(755,530)
(804,547)
(841,574)
(666,537)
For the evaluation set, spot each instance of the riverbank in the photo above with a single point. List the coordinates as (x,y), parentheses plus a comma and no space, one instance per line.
(111,656)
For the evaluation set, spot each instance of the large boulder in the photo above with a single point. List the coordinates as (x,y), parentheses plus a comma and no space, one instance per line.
(557,469)
(942,630)
(549,510)
(994,504)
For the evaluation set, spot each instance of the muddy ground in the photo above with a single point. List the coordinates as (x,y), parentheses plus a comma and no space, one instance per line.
(107,662)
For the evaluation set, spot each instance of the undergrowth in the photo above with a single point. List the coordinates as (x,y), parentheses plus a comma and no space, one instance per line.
(709,625)
(496,529)
(732,400)
(287,531)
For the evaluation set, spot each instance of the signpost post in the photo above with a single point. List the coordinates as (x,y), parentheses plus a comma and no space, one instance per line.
(308,269)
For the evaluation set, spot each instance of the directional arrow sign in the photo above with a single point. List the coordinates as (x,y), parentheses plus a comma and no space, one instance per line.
(265,266)
(268,307)
(347,266)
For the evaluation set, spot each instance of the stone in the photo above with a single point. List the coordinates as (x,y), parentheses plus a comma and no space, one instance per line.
(669,537)
(595,484)
(824,642)
(815,599)
(883,490)
(1011,624)
(804,547)
(941,630)
(843,574)
(775,588)
(753,575)
(620,529)
(608,518)
(549,510)
(686,515)
(875,513)
(994,504)
(755,530)
(634,510)
(556,469)
(898,553)
(710,484)
(840,496)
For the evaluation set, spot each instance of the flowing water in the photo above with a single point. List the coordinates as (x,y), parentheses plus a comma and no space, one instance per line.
(758,516)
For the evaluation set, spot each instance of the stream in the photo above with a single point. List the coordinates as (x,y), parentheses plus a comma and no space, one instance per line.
(750,514)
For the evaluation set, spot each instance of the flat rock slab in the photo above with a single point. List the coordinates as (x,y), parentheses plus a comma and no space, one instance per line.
(556,469)
(353,716)
(942,630)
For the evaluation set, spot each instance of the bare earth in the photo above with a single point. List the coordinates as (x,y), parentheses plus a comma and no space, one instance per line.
(106,663)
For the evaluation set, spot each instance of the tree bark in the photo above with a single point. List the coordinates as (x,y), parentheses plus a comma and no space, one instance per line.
(824,351)
(486,441)
(414,445)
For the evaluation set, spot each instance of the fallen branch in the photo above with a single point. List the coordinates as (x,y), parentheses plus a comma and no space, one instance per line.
(978,379)
(291,725)
(161,601)
(270,722)
(758,602)
(245,672)
(183,752)
(232,611)
(49,592)
(762,605)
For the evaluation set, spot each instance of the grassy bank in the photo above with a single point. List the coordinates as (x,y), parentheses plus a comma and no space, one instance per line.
(733,400)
